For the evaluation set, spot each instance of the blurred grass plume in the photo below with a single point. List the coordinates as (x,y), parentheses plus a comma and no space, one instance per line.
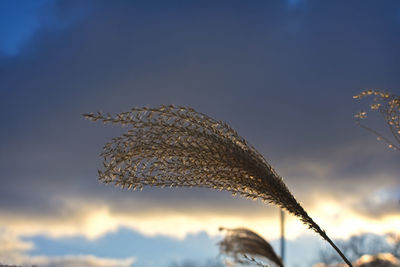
(243,244)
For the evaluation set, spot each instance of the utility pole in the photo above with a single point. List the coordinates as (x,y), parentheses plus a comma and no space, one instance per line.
(282,235)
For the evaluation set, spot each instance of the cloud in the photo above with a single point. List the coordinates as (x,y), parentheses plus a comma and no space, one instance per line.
(20,25)
(71,261)
(94,220)
(12,247)
(15,251)
(10,242)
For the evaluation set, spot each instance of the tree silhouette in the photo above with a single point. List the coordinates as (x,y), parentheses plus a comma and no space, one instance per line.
(358,246)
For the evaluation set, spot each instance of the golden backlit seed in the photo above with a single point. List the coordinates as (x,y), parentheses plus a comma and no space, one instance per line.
(179,147)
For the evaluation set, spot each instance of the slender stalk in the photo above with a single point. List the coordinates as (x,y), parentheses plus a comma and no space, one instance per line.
(337,249)
(325,236)
(386,140)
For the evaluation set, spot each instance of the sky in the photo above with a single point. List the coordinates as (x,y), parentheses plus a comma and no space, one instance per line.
(282,73)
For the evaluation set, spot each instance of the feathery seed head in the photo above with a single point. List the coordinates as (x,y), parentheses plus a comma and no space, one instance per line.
(388,105)
(179,147)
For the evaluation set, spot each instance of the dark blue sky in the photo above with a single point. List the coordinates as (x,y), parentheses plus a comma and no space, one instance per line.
(282,73)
